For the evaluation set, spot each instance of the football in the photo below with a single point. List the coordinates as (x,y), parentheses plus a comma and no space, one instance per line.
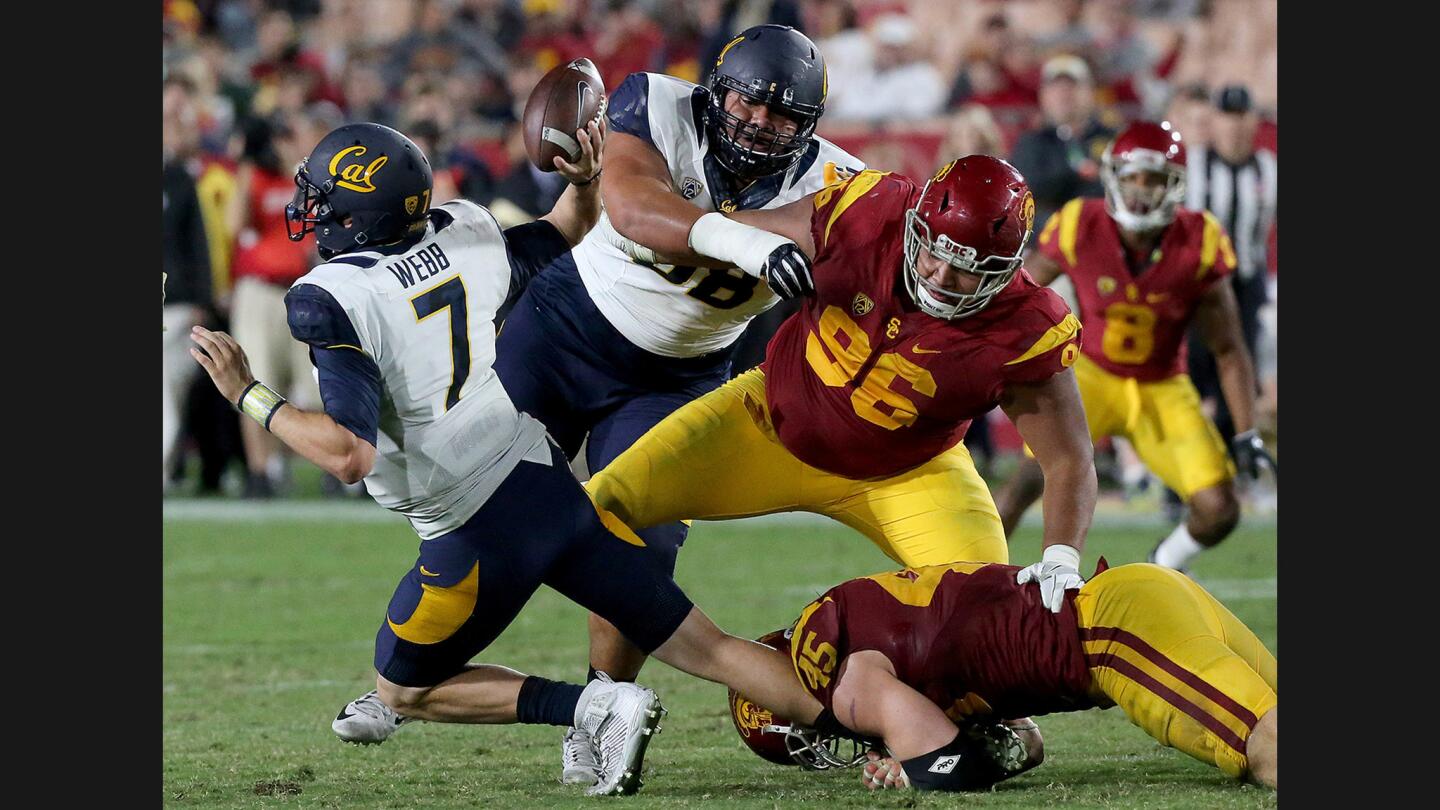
(563,102)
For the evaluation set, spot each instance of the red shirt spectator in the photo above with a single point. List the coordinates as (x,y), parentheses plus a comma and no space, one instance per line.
(263,249)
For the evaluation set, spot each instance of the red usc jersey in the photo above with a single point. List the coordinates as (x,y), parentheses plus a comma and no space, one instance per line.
(965,635)
(863,384)
(1137,324)
(264,250)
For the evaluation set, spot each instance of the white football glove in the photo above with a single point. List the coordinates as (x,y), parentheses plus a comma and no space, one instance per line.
(1057,572)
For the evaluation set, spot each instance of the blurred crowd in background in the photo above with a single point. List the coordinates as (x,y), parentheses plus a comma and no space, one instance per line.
(249,86)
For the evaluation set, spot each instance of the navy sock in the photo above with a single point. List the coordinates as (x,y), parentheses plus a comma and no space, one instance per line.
(548,702)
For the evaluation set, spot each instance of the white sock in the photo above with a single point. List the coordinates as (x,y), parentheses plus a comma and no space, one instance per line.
(1177,550)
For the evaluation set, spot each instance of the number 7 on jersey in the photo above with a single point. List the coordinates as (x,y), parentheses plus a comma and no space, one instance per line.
(450,295)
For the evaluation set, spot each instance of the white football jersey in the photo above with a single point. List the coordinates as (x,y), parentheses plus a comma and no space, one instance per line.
(448,433)
(687,311)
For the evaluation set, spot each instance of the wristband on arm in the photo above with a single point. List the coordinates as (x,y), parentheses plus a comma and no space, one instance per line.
(260,402)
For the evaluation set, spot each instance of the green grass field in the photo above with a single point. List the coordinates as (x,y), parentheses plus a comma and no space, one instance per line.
(270,615)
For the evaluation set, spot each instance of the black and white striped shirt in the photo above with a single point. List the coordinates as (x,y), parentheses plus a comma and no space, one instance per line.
(1242,197)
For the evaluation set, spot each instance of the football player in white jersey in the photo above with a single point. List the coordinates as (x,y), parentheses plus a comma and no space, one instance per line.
(400,321)
(606,341)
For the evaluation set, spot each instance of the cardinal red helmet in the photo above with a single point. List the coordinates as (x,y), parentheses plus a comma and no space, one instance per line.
(1137,201)
(776,739)
(976,213)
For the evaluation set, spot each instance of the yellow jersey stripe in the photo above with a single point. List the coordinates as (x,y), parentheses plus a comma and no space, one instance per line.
(854,190)
(1056,335)
(1070,228)
(1217,712)
(345,346)
(1209,244)
(916,586)
(1051,225)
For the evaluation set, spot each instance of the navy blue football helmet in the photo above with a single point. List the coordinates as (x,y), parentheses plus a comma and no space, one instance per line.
(781,67)
(364,184)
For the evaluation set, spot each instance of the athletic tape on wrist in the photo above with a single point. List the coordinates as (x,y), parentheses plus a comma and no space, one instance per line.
(1062,553)
(260,402)
(742,245)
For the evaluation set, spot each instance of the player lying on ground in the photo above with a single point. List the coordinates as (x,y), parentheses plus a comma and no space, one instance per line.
(921,319)
(400,320)
(904,657)
(1144,268)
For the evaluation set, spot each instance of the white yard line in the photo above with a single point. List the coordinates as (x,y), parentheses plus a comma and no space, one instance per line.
(278,511)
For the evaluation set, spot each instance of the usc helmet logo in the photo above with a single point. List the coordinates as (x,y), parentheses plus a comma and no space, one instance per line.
(1027,211)
(356,176)
(944,170)
(750,717)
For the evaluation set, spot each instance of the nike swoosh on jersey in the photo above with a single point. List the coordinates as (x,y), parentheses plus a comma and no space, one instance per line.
(427,572)
(916,348)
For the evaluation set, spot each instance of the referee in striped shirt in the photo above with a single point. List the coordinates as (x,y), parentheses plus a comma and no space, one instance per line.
(1236,182)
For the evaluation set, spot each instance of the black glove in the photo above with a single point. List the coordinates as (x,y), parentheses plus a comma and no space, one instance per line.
(787,271)
(1250,454)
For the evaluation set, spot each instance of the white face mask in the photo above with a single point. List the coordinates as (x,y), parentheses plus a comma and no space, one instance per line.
(995,272)
(1167,198)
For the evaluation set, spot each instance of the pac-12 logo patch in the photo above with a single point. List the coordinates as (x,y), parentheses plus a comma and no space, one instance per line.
(862,304)
(690,188)
(944,765)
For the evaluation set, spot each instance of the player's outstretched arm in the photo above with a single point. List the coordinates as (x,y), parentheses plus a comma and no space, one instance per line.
(1218,316)
(791,220)
(578,208)
(1051,419)
(316,436)
(870,700)
(1042,268)
(927,750)
(639,200)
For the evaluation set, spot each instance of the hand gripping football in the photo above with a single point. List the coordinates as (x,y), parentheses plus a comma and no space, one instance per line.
(563,102)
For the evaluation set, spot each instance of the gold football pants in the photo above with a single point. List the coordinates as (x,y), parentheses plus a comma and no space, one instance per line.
(718,458)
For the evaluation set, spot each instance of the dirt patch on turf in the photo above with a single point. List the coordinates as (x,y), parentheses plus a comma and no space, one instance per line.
(276,787)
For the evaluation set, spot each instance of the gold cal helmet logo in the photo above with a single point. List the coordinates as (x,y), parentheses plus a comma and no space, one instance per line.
(356,176)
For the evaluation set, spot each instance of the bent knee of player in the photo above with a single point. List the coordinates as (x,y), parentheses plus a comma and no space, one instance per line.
(1262,750)
(1216,510)
(611,495)
(695,647)
(406,700)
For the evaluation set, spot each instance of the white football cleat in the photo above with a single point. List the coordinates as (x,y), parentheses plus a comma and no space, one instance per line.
(578,759)
(620,718)
(366,720)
